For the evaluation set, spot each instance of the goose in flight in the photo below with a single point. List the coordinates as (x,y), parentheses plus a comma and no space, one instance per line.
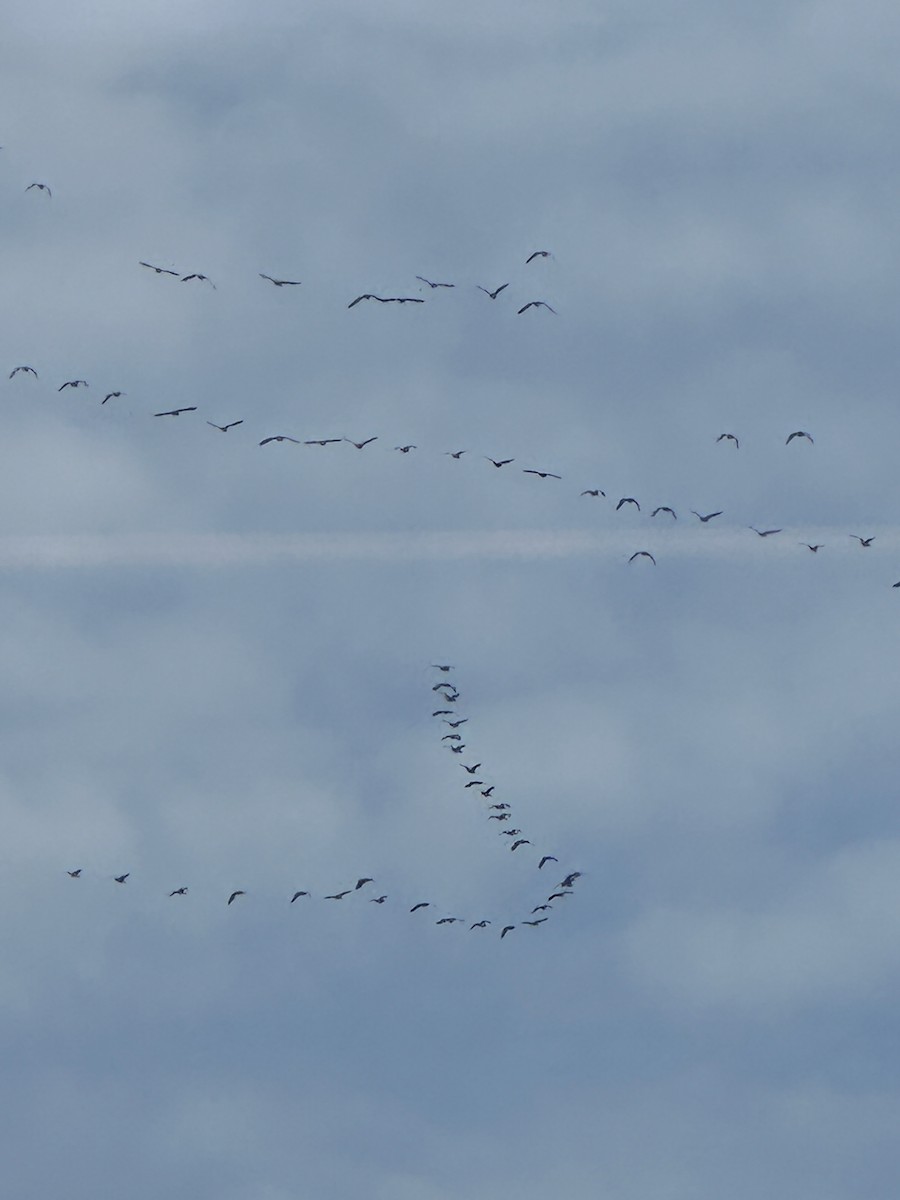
(799,433)
(479,925)
(499,462)
(378,899)
(642,554)
(708,517)
(421,904)
(406,449)
(818,546)
(665,508)
(443,712)
(41,186)
(448,920)
(763,532)
(445,683)
(570,879)
(422,279)
(536,304)
(729,437)
(386,299)
(76,873)
(176,412)
(863,541)
(501,808)
(322,441)
(503,816)
(539,921)
(28,370)
(159,270)
(456,724)
(182,891)
(297,895)
(225,428)
(111,396)
(458,749)
(520,842)
(280,282)
(506,929)
(361,882)
(541,474)
(538,254)
(510,832)
(234,896)
(454,453)
(471,770)
(558,895)
(628,500)
(73,383)
(365,296)
(541,908)
(488,792)
(121,878)
(360,445)
(493,295)
(455,737)
(474,783)
(593,492)
(280,437)
(339,895)
(547,858)
(200,278)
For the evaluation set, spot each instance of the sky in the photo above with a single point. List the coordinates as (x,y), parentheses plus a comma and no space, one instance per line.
(217,657)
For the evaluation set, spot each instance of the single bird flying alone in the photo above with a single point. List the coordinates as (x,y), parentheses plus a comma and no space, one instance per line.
(297,895)
(234,896)
(121,878)
(182,891)
(76,873)
(799,433)
(729,437)
(642,554)
(41,187)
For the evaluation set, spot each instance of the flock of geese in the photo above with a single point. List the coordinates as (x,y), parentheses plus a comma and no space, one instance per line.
(475,776)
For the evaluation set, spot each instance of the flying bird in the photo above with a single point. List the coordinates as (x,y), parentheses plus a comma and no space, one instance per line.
(863,541)
(456,724)
(539,921)
(458,749)
(594,492)
(454,453)
(665,508)
(520,842)
(360,882)
(322,441)
(570,879)
(406,449)
(504,816)
(510,832)
(535,304)
(297,895)
(365,296)
(542,474)
(506,929)
(541,908)
(798,433)
(42,186)
(493,295)
(502,462)
(537,254)
(448,920)
(628,500)
(488,792)
(280,437)
(234,896)
(642,554)
(729,437)
(421,904)
(559,895)
(818,546)
(159,270)
(28,370)
(200,278)
(73,383)
(708,517)
(280,282)
(479,925)
(403,299)
(474,783)
(443,712)
(122,878)
(499,807)
(422,279)
(763,532)
(443,667)
(378,900)
(471,770)
(339,895)
(225,428)
(111,396)
(445,683)
(176,412)
(178,892)
(359,445)
(455,737)
(76,873)
(547,858)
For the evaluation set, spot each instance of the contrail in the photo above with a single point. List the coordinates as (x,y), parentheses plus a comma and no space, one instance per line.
(208,550)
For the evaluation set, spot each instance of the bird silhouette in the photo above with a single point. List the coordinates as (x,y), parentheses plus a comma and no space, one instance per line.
(339,895)
(471,770)
(360,445)
(708,517)
(539,921)
(809,546)
(474,783)
(378,900)
(506,929)
(642,554)
(200,278)
(41,186)
(28,370)
(863,541)
(559,895)
(76,873)
(73,383)
(570,879)
(365,296)
(454,453)
(493,295)
(322,441)
(763,532)
(536,304)
(520,842)
(799,433)
(406,449)
(422,279)
(176,412)
(111,396)
(547,858)
(541,908)
(729,437)
(360,882)
(280,282)
(122,878)
(593,492)
(488,792)
(504,816)
(279,437)
(234,896)
(182,891)
(225,428)
(628,500)
(421,904)
(501,462)
(448,920)
(297,895)
(541,474)
(479,925)
(665,508)
(537,254)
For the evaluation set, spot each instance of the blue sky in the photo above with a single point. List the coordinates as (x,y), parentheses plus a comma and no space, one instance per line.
(216,656)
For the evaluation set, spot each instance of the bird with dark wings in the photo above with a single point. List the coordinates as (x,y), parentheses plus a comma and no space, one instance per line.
(280,282)
(799,433)
(500,462)
(628,500)
(642,554)
(360,445)
(111,396)
(322,441)
(279,437)
(225,428)
(729,437)
(73,383)
(159,270)
(40,186)
(27,370)
(200,278)
(422,279)
(537,254)
(536,304)
(494,294)
(708,517)
(540,474)
(176,412)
